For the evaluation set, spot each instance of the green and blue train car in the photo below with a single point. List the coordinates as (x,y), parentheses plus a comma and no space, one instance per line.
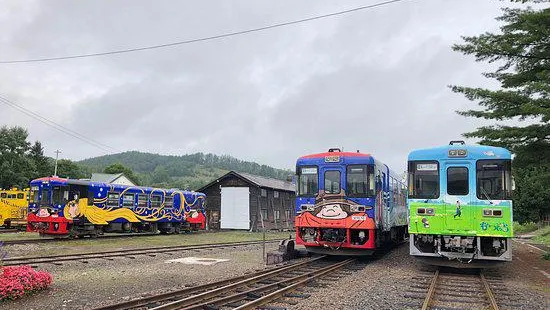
(460,207)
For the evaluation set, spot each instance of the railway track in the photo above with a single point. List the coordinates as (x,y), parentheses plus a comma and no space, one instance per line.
(243,292)
(47,240)
(459,291)
(84,257)
(8,230)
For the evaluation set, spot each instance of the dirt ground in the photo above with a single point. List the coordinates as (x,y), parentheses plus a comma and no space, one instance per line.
(381,284)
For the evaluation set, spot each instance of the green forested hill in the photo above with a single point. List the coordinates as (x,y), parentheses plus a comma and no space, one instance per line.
(192,170)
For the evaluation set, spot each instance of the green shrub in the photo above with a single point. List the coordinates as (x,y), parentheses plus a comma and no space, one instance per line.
(525,227)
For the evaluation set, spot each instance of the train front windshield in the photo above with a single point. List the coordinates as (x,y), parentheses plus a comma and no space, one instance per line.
(494,179)
(308,181)
(423,179)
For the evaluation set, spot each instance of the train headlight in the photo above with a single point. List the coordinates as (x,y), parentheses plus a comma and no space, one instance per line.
(307,207)
(357,208)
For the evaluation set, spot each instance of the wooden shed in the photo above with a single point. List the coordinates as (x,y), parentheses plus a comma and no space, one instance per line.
(249,202)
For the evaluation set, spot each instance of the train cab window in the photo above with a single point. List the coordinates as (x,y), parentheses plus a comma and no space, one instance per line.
(128,200)
(169,202)
(20,196)
(45,196)
(4,195)
(35,192)
(156,201)
(60,194)
(457,181)
(423,179)
(332,182)
(308,181)
(142,200)
(359,181)
(113,199)
(494,179)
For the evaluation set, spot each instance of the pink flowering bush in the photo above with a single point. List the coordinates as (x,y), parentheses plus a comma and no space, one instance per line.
(17,281)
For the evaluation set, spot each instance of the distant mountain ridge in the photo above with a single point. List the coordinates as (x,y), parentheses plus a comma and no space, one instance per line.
(184,171)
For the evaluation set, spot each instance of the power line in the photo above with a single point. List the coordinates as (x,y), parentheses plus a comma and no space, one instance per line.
(56,126)
(210,38)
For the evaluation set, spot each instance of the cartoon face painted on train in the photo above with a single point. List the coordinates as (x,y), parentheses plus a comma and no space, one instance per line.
(334,211)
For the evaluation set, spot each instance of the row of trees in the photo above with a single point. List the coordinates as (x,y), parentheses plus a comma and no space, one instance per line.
(521,53)
(22,161)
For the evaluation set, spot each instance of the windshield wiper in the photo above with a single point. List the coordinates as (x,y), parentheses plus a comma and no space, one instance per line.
(486,195)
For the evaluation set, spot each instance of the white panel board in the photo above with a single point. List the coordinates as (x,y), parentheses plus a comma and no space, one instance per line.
(235,208)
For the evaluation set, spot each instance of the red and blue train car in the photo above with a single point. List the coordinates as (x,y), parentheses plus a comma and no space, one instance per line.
(348,203)
(67,207)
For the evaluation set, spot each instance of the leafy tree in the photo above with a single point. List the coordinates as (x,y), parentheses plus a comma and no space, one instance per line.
(521,51)
(16,168)
(68,169)
(119,168)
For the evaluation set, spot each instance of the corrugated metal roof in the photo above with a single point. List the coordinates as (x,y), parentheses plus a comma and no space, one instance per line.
(268,182)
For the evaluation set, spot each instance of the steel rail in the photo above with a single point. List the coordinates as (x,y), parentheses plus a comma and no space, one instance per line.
(281,292)
(431,291)
(8,230)
(47,240)
(489,292)
(181,303)
(107,254)
(218,286)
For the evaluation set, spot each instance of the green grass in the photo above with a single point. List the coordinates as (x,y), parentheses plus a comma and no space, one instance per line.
(95,245)
(525,227)
(542,235)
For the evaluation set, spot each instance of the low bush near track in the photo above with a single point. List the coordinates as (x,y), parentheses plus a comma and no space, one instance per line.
(16,281)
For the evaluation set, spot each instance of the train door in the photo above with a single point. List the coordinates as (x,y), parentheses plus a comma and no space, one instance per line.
(458,196)
(332,180)
(386,202)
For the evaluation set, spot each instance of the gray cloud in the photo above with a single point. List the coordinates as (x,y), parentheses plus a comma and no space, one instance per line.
(373,80)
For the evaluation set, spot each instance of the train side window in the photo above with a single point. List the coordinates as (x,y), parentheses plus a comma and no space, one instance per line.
(332,182)
(457,181)
(113,199)
(423,179)
(169,202)
(128,200)
(142,200)
(156,201)
(20,196)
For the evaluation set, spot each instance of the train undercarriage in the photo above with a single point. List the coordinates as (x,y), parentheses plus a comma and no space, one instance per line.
(460,250)
(346,241)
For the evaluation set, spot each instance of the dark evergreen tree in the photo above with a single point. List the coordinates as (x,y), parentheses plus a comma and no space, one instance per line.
(42,163)
(521,52)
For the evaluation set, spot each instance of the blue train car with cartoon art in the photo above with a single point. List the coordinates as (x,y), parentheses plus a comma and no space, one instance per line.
(460,204)
(348,203)
(67,207)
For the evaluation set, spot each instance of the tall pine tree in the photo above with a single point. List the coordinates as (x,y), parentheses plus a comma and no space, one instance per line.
(520,109)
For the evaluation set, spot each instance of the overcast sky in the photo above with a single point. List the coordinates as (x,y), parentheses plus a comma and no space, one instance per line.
(374,80)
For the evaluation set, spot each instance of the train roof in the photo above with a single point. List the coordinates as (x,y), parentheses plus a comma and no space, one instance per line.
(63,181)
(321,158)
(461,151)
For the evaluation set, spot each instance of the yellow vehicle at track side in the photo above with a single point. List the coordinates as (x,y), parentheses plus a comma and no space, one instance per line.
(13,207)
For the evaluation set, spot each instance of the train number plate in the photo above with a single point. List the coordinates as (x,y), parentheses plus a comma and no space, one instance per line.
(332,159)
(358,217)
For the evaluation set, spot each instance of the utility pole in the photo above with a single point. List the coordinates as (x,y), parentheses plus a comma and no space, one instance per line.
(56,157)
